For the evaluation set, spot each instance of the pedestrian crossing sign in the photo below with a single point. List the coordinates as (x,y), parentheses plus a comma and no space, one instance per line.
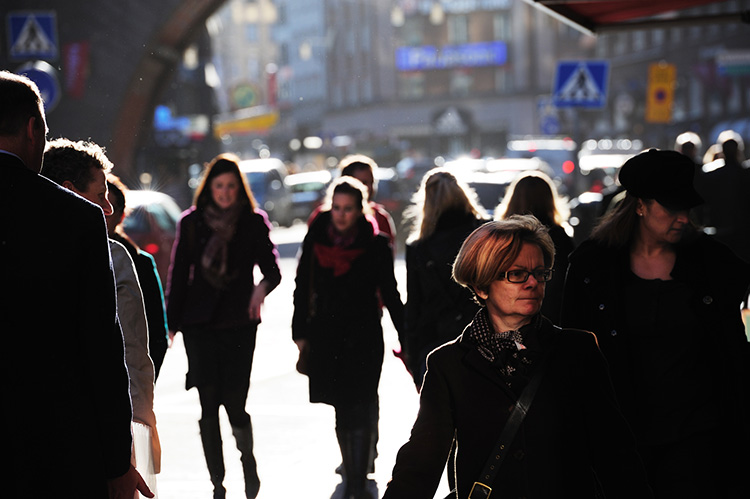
(32,35)
(581,84)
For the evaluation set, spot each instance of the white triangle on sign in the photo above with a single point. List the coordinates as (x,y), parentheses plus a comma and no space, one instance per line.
(32,39)
(580,87)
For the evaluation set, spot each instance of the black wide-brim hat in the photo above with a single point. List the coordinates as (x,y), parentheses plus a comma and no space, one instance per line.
(666,176)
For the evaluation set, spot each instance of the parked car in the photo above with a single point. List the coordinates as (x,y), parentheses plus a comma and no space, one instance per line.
(558,152)
(411,170)
(266,177)
(492,178)
(307,190)
(151,222)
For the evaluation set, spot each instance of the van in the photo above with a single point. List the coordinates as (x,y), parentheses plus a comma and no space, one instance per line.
(266,178)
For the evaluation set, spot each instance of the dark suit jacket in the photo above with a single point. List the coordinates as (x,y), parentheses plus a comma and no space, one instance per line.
(572,431)
(65,384)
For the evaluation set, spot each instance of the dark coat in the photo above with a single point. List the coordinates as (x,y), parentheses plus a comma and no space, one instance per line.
(339,315)
(191,299)
(63,362)
(716,281)
(553,291)
(437,307)
(572,432)
(153,301)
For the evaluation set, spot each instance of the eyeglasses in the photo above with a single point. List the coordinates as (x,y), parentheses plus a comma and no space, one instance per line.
(520,276)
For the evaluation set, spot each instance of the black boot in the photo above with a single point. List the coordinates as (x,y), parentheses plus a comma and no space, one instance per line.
(212,449)
(244,437)
(355,452)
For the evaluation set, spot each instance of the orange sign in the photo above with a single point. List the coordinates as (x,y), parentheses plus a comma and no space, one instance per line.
(661,80)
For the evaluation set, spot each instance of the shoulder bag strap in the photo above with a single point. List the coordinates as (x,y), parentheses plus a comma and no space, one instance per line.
(481,488)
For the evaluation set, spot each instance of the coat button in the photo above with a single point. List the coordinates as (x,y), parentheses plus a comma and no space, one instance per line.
(519,455)
(708,300)
(613,332)
(601,306)
(586,280)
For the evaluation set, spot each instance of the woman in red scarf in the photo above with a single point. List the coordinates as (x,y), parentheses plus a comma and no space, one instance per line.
(213,300)
(344,266)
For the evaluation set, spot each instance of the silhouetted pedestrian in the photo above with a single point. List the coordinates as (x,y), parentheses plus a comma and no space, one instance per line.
(664,302)
(63,361)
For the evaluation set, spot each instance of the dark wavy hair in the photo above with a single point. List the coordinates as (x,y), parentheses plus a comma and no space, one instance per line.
(74,161)
(223,163)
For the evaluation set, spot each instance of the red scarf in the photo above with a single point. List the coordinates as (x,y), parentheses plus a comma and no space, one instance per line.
(335,257)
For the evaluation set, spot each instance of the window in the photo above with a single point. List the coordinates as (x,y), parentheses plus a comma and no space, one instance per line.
(501,26)
(411,86)
(458,29)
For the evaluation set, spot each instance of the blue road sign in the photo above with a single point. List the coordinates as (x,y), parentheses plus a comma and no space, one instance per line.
(581,84)
(45,77)
(32,35)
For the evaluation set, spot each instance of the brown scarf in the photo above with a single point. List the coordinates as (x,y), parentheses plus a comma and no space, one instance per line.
(223,224)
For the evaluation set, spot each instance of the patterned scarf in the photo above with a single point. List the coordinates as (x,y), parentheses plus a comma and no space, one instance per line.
(504,346)
(223,224)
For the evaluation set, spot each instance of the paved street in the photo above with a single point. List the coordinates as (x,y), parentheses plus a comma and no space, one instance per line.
(296,444)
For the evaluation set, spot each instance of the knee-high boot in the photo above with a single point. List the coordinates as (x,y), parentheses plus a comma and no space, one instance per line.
(212,449)
(355,452)
(244,437)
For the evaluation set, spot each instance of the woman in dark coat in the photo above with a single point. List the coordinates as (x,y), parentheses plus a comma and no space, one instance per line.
(213,299)
(345,265)
(534,193)
(664,302)
(437,308)
(573,438)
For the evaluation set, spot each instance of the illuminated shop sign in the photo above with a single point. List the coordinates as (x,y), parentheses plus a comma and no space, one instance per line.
(451,6)
(451,56)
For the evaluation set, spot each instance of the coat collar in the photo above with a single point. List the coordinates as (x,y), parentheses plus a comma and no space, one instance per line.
(536,340)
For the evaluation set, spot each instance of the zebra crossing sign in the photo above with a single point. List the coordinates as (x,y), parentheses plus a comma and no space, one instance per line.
(581,84)
(32,35)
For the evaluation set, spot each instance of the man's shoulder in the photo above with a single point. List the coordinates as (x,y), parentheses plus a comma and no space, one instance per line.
(47,195)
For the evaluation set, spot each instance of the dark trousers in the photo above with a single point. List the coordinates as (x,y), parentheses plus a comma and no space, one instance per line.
(219,365)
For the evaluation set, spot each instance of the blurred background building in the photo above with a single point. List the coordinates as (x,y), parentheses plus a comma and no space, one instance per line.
(166,85)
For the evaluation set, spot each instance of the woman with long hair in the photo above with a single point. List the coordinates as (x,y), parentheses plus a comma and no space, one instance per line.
(664,302)
(212,298)
(444,212)
(345,269)
(534,193)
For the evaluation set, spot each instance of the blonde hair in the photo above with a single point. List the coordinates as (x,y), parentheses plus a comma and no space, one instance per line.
(440,191)
(493,247)
(534,193)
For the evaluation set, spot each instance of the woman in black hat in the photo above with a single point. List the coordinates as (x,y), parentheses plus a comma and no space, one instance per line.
(664,302)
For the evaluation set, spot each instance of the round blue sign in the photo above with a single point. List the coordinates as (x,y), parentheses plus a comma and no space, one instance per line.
(45,77)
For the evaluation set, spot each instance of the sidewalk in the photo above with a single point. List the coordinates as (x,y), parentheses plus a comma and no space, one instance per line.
(295,442)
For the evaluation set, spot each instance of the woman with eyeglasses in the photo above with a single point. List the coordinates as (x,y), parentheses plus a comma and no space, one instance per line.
(573,439)
(664,302)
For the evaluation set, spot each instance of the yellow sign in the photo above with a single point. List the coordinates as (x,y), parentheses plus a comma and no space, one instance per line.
(258,123)
(661,81)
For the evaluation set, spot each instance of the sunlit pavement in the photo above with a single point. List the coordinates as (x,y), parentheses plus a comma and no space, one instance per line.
(295,442)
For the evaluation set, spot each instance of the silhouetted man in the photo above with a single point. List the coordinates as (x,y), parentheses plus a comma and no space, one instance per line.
(63,367)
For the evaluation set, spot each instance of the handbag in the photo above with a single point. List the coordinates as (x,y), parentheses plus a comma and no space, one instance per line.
(481,488)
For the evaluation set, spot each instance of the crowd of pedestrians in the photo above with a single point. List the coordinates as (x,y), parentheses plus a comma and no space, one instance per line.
(631,346)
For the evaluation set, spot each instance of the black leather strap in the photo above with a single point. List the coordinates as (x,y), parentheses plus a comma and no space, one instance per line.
(481,488)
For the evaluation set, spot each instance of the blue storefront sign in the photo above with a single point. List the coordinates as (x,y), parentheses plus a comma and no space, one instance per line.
(452,56)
